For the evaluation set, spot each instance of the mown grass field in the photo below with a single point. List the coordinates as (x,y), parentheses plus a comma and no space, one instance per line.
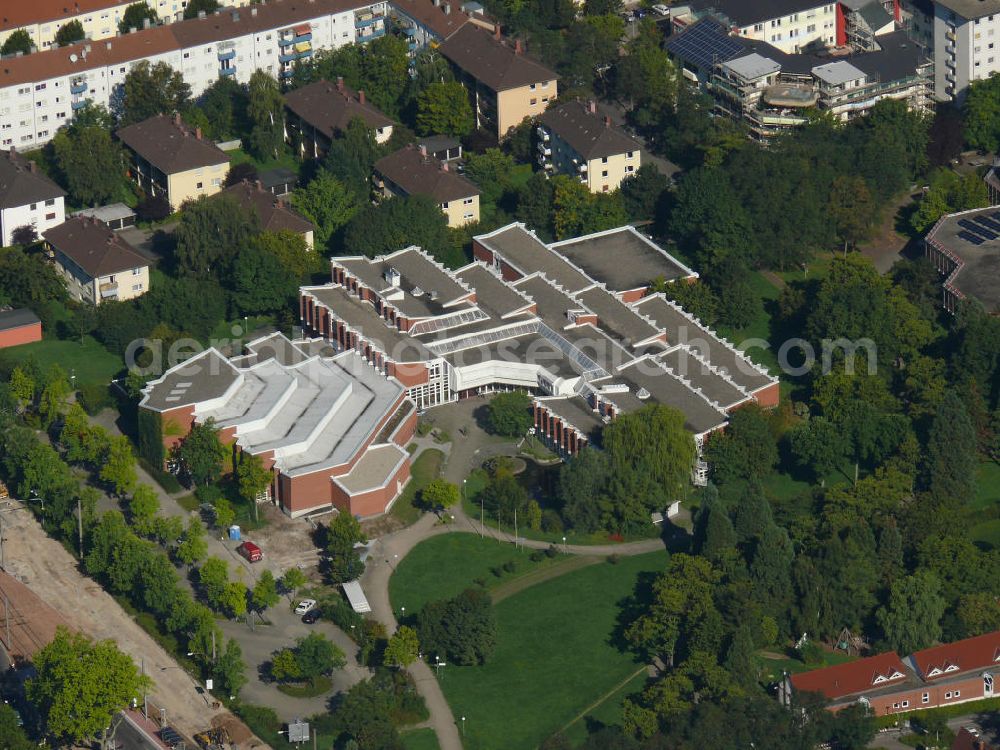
(90,362)
(420,739)
(425,469)
(557,654)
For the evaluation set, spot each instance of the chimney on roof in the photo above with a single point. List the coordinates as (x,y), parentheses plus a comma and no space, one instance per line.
(592,107)
(197,133)
(607,121)
(236,15)
(518,49)
(131,29)
(444,166)
(436,2)
(177,119)
(32,167)
(253,11)
(146,23)
(361,96)
(108,44)
(423,150)
(447,9)
(259,184)
(201,14)
(340,83)
(496,32)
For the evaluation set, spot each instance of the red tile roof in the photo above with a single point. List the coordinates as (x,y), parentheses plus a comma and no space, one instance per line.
(852,677)
(17,14)
(961,656)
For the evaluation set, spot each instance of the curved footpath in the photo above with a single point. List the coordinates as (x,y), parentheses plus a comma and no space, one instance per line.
(392,548)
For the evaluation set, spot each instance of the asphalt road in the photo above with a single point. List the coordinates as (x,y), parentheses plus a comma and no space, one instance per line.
(130,736)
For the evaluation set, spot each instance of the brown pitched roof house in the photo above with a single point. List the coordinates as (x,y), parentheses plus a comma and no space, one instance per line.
(416,173)
(22,182)
(273,213)
(330,107)
(93,247)
(492,61)
(170,145)
(589,134)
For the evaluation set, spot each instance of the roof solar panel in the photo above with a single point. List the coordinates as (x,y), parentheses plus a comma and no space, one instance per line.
(705,43)
(988,223)
(995,215)
(970,237)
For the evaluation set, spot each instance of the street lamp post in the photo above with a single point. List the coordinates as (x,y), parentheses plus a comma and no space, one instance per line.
(564,544)
(463,726)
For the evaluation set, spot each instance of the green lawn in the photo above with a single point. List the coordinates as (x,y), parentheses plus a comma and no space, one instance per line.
(760,326)
(420,739)
(781,486)
(444,566)
(608,712)
(988,486)
(188,502)
(987,533)
(554,658)
(285,159)
(425,469)
(89,361)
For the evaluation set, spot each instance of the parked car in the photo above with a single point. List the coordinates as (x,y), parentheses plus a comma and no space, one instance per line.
(311,616)
(251,552)
(304,606)
(663,10)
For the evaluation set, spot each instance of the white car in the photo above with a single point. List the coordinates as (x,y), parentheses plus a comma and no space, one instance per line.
(304,606)
(663,10)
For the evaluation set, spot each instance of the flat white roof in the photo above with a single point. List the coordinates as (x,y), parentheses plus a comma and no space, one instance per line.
(752,66)
(839,72)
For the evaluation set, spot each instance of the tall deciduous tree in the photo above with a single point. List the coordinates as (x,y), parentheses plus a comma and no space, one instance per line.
(328,203)
(195,7)
(398,222)
(152,89)
(911,619)
(202,452)
(18,41)
(210,234)
(264,110)
(265,591)
(402,648)
(81,685)
(951,462)
(444,108)
(69,32)
(463,629)
(653,441)
(90,162)
(135,17)
(344,561)
(510,414)
(492,171)
(981,111)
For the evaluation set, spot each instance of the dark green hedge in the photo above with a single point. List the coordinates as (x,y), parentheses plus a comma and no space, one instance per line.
(151,437)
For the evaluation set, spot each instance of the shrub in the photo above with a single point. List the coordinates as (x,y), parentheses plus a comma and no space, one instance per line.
(497,571)
(480,581)
(810,653)
(94,398)
(551,551)
(536,556)
(551,522)
(510,566)
(153,208)
(208,493)
(614,559)
(424,428)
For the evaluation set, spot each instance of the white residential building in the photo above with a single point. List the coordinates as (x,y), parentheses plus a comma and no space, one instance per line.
(966,45)
(27,197)
(39,92)
(790,25)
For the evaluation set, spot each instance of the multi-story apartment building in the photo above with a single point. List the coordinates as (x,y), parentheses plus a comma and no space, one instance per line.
(966,45)
(505,85)
(430,22)
(770,90)
(95,261)
(790,25)
(42,19)
(412,171)
(27,197)
(171,160)
(576,139)
(39,92)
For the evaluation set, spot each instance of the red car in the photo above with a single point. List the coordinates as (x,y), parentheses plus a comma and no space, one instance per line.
(251,552)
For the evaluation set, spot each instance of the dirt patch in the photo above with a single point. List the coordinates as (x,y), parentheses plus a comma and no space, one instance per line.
(50,571)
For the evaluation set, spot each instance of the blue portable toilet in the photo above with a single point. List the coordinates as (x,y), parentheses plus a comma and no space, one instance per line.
(234,533)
